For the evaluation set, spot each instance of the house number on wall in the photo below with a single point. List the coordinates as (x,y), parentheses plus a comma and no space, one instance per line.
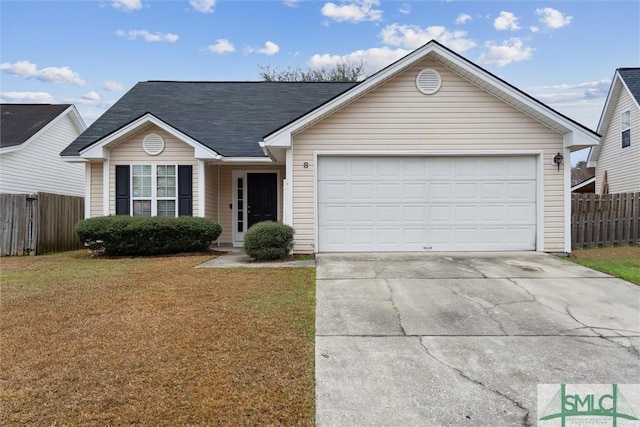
(305,165)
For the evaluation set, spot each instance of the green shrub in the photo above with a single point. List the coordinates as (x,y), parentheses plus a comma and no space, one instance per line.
(268,240)
(139,235)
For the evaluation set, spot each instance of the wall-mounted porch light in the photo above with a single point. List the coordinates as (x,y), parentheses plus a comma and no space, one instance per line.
(557,160)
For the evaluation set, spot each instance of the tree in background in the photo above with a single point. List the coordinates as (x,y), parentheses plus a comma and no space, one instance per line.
(580,172)
(341,72)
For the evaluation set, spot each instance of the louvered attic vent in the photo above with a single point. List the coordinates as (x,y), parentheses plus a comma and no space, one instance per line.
(153,144)
(428,81)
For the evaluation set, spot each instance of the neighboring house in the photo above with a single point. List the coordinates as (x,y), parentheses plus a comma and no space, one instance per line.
(586,186)
(583,179)
(31,139)
(617,157)
(432,153)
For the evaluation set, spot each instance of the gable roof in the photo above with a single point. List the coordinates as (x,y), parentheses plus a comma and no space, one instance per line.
(229,118)
(624,79)
(631,78)
(576,135)
(20,122)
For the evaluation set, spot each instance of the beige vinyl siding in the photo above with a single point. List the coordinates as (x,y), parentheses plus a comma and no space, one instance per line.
(211,192)
(226,196)
(37,165)
(96,189)
(395,116)
(131,152)
(622,164)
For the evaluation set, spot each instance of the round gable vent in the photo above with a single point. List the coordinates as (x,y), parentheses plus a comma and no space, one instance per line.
(428,81)
(153,144)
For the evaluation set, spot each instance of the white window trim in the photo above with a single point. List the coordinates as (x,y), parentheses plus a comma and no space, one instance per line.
(624,128)
(154,188)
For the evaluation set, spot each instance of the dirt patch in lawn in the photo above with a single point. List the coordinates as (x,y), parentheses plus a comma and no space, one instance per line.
(154,341)
(619,261)
(607,253)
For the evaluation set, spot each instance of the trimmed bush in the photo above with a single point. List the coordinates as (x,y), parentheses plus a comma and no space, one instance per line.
(268,240)
(142,235)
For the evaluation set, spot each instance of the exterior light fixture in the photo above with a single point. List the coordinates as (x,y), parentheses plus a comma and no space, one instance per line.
(557,160)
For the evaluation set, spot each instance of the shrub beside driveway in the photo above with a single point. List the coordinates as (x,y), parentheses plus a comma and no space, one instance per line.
(619,261)
(154,341)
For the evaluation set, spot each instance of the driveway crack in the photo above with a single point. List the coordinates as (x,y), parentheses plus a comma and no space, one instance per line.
(526,422)
(395,308)
(631,349)
(487,310)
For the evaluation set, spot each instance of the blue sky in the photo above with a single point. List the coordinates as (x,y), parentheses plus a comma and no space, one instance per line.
(91,52)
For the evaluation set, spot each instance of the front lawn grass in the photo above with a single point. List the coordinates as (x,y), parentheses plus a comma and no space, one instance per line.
(619,261)
(153,341)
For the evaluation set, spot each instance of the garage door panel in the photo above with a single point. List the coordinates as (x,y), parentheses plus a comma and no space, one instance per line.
(466,191)
(416,204)
(364,192)
(415,192)
(440,213)
(389,192)
(523,191)
(441,191)
(334,192)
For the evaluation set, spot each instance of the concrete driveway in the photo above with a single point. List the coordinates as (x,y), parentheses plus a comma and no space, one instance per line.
(464,338)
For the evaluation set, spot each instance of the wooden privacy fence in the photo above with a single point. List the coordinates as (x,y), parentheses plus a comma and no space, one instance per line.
(35,224)
(605,220)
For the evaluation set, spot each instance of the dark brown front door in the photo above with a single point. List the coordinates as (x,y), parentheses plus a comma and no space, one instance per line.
(262,203)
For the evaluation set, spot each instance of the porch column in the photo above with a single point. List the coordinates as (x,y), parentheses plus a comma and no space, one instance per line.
(201,187)
(288,189)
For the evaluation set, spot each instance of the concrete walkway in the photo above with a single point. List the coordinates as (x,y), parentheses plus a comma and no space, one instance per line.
(231,257)
(465,338)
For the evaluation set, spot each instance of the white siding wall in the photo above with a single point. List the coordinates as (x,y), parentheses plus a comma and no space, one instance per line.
(396,116)
(38,166)
(622,164)
(96,189)
(131,151)
(211,192)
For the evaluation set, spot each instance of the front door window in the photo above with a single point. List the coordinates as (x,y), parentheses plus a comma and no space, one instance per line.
(255,197)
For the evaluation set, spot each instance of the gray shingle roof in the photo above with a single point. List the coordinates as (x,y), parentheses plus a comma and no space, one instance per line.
(19,122)
(631,77)
(228,117)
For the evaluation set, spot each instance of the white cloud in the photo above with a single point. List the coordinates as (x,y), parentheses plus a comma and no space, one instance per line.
(204,6)
(291,3)
(27,97)
(534,28)
(356,11)
(412,36)
(512,50)
(112,86)
(571,94)
(29,70)
(91,98)
(506,21)
(552,18)
(127,5)
(463,18)
(405,8)
(147,36)
(269,49)
(221,46)
(374,59)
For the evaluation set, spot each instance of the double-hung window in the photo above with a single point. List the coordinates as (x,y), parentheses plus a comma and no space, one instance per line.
(153,190)
(625,128)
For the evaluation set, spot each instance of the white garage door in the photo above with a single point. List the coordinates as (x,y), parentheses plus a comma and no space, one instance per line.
(426,204)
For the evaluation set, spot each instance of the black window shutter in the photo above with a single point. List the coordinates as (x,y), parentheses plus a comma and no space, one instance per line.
(185,190)
(123,173)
